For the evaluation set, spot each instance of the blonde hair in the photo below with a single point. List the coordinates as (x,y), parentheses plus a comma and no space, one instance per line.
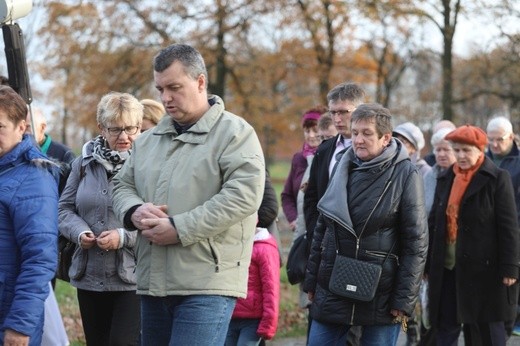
(153,110)
(116,106)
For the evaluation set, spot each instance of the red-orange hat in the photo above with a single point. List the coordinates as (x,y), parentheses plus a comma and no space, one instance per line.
(468,134)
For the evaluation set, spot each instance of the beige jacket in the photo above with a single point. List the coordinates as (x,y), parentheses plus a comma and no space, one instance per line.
(212,180)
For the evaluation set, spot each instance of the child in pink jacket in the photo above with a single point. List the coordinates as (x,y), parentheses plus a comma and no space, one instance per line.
(256,317)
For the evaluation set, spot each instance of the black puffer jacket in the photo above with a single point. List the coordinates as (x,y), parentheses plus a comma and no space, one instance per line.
(384,205)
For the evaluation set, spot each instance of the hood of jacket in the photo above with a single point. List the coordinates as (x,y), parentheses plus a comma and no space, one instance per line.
(27,151)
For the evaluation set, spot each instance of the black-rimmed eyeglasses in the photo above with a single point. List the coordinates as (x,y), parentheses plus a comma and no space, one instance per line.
(129,130)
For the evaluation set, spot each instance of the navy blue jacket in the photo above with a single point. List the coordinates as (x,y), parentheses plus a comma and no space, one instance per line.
(511,163)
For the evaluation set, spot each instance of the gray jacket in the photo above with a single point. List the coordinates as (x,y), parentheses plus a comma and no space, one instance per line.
(86,204)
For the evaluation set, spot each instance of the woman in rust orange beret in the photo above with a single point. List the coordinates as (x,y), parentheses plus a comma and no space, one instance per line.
(474,246)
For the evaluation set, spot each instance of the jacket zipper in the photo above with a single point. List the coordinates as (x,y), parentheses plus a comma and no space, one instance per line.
(358,239)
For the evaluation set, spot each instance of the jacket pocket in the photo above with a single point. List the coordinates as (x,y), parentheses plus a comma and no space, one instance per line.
(79,264)
(382,255)
(126,262)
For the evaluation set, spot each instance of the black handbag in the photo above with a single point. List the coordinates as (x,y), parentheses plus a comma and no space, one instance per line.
(66,250)
(297,260)
(353,278)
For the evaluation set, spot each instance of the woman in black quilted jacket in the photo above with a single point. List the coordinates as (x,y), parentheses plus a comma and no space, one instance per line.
(374,208)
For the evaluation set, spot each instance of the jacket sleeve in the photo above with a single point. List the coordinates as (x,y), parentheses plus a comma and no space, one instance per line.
(507,227)
(313,264)
(289,195)
(270,275)
(413,237)
(70,223)
(268,211)
(35,219)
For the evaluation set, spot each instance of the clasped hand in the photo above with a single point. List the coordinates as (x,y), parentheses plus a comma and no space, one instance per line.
(107,240)
(154,224)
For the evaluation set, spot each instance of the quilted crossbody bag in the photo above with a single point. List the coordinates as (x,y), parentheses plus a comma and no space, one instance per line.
(355,279)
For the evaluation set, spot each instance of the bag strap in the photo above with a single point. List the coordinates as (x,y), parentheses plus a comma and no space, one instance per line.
(386,186)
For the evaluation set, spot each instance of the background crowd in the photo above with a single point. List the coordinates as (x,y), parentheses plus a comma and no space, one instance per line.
(170,208)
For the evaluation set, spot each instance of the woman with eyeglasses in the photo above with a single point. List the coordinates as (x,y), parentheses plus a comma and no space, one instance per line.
(103,265)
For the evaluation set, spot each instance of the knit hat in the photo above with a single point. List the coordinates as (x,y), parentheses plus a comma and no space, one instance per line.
(412,133)
(311,115)
(468,134)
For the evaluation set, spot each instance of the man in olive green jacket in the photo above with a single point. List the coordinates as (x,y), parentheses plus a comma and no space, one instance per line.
(191,188)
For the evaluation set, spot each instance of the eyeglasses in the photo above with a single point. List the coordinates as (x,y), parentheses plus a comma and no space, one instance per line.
(498,140)
(116,131)
(340,112)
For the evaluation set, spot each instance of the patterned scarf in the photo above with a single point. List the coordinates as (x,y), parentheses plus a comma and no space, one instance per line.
(110,159)
(460,184)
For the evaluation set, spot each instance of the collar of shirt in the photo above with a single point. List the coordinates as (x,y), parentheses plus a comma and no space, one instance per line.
(343,142)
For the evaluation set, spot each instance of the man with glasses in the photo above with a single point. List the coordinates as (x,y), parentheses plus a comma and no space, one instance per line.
(505,154)
(191,189)
(342,100)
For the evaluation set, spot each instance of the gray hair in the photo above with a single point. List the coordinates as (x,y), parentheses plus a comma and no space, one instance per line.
(378,113)
(116,106)
(500,123)
(189,57)
(347,92)
(438,136)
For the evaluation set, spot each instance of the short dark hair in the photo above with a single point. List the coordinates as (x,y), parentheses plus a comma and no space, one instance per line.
(347,92)
(12,104)
(325,121)
(380,114)
(188,56)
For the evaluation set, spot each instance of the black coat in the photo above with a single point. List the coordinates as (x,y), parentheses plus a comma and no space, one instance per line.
(487,248)
(511,163)
(393,191)
(317,183)
(268,210)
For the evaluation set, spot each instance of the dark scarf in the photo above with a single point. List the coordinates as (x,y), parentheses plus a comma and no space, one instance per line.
(112,160)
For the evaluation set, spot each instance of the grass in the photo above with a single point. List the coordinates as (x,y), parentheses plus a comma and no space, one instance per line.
(292,319)
(278,172)
(68,303)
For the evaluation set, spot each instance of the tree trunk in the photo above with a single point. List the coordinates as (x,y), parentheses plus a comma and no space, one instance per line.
(447,75)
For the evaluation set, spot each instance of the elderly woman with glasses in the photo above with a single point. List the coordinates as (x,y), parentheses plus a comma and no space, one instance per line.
(103,265)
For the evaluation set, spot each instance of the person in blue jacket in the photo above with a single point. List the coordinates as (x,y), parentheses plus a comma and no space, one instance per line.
(28,226)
